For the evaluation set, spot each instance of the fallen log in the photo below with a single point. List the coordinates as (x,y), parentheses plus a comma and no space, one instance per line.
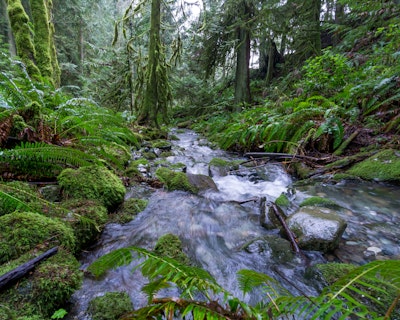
(8,278)
(277,155)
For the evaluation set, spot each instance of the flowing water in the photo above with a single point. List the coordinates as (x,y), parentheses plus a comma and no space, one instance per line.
(215,226)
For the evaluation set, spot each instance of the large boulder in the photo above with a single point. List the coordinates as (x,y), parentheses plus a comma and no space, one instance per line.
(317,228)
(202,182)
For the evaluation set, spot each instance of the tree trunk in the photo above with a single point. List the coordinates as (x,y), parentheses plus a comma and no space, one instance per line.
(316,33)
(148,111)
(19,22)
(271,61)
(46,58)
(157,93)
(242,76)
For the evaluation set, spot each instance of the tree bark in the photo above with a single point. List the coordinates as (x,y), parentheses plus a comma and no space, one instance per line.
(147,113)
(242,77)
(19,22)
(10,277)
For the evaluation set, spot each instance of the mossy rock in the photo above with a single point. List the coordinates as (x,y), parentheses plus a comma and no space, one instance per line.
(94,183)
(320,202)
(383,166)
(19,191)
(175,180)
(282,201)
(132,170)
(87,218)
(22,231)
(129,209)
(44,290)
(169,245)
(119,152)
(162,144)
(111,306)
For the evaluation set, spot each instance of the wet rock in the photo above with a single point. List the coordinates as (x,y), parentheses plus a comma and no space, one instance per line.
(317,228)
(51,193)
(271,246)
(268,218)
(202,182)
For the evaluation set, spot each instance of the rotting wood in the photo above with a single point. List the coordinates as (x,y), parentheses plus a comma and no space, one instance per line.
(8,278)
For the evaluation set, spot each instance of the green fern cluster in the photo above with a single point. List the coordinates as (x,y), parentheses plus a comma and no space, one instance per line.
(371,291)
(297,123)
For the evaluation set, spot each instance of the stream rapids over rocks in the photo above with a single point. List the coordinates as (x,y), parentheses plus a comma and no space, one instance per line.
(220,230)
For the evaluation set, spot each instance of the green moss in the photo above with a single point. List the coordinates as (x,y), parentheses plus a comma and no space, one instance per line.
(22,231)
(129,209)
(231,165)
(43,291)
(282,201)
(111,306)
(333,271)
(320,202)
(175,180)
(149,155)
(169,245)
(87,218)
(20,26)
(94,183)
(162,144)
(384,166)
(118,151)
(132,170)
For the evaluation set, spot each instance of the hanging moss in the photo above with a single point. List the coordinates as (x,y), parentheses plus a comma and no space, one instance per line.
(19,21)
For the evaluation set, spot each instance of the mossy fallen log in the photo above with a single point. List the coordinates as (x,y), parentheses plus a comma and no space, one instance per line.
(10,277)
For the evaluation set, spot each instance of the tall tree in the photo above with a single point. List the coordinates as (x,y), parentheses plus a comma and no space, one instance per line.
(157,92)
(229,28)
(153,91)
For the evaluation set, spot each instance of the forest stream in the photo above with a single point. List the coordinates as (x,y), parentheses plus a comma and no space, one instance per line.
(220,230)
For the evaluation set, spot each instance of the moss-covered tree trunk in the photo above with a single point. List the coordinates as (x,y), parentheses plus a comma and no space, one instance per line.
(46,57)
(242,77)
(157,92)
(36,49)
(19,21)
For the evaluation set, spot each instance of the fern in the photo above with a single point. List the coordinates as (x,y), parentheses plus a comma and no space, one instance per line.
(43,159)
(354,295)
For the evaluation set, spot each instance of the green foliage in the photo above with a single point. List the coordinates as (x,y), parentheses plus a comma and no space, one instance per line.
(42,159)
(93,183)
(327,73)
(357,293)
